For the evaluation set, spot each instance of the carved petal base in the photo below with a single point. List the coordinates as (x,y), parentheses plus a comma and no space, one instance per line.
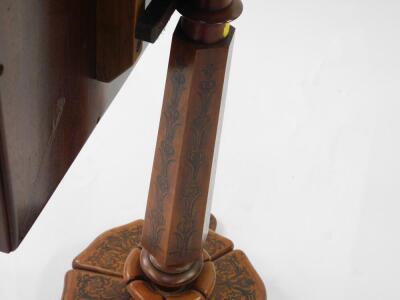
(99,271)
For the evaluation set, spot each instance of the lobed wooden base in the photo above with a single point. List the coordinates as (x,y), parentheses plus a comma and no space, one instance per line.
(101,273)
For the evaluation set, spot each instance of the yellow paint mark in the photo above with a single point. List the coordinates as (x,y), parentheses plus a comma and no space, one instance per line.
(227,29)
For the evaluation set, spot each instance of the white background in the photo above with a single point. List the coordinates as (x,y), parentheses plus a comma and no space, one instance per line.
(308,176)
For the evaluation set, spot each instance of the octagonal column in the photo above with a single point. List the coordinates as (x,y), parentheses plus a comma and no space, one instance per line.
(178,202)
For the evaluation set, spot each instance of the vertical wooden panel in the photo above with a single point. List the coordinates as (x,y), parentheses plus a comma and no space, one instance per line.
(117,48)
(50,102)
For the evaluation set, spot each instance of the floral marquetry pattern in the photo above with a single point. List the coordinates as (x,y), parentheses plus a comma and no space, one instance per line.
(216,245)
(196,158)
(108,252)
(81,285)
(167,155)
(237,279)
(98,271)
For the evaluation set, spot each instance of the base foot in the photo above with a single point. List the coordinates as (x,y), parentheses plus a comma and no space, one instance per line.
(99,271)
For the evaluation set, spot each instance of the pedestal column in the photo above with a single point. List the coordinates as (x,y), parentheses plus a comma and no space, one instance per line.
(177,214)
(171,255)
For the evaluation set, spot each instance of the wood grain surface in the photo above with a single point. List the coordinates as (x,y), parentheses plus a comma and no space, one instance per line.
(109,268)
(49,104)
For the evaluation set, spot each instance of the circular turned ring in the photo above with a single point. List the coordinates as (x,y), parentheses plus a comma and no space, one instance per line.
(212,4)
(224,15)
(210,24)
(223,274)
(173,280)
(140,287)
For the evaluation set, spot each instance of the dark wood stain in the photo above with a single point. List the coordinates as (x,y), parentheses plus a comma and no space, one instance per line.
(117,49)
(49,102)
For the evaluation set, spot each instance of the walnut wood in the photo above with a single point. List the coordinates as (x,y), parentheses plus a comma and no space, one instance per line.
(211,5)
(216,245)
(141,290)
(108,253)
(81,285)
(178,199)
(207,21)
(188,295)
(205,283)
(237,279)
(117,49)
(49,102)
(172,278)
(227,14)
(5,243)
(132,269)
(176,211)
(204,33)
(169,262)
(133,272)
(100,271)
(213,223)
(154,19)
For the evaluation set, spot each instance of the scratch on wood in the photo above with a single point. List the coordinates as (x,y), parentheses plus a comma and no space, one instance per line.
(54,126)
